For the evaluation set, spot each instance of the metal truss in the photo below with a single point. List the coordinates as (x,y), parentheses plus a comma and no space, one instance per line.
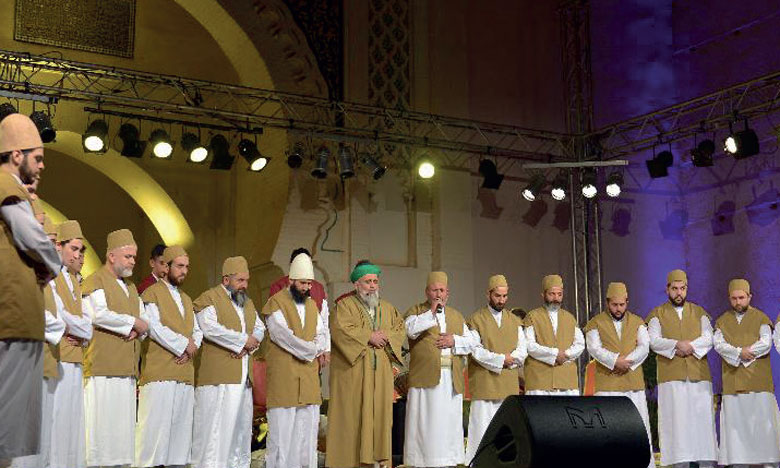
(457,140)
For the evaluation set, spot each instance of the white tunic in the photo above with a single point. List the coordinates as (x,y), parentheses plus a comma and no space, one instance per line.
(481,412)
(434,416)
(222,429)
(68,445)
(109,402)
(54,328)
(637,357)
(163,434)
(548,355)
(684,405)
(292,431)
(749,429)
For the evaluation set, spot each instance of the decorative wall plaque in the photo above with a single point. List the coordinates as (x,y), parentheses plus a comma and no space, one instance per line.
(101,26)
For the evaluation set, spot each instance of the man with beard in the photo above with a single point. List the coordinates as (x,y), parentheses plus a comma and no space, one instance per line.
(68,444)
(499,349)
(29,260)
(111,359)
(222,430)
(681,336)
(749,426)
(617,339)
(166,397)
(297,337)
(158,266)
(438,340)
(554,344)
(367,333)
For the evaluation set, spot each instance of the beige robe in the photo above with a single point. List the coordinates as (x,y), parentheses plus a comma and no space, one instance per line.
(360,411)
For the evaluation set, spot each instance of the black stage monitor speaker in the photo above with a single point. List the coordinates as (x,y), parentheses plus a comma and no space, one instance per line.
(554,432)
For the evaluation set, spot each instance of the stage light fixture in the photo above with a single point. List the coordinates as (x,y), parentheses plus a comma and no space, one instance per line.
(589,189)
(132,146)
(346,165)
(534,188)
(45,128)
(320,170)
(614,184)
(248,150)
(742,144)
(94,138)
(196,152)
(559,186)
(162,146)
(295,156)
(6,109)
(659,166)
(488,170)
(426,170)
(377,170)
(220,149)
(701,156)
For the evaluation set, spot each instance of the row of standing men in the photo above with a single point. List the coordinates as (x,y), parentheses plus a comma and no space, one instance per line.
(72,402)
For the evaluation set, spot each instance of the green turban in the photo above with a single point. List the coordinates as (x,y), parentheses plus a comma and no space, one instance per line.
(363,270)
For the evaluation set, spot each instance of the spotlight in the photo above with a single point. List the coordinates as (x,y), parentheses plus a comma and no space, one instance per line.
(702,154)
(162,147)
(45,128)
(742,144)
(488,170)
(346,165)
(132,146)
(6,109)
(614,184)
(659,166)
(534,188)
(295,157)
(248,150)
(426,170)
(94,139)
(220,149)
(589,189)
(377,170)
(196,152)
(559,186)
(320,170)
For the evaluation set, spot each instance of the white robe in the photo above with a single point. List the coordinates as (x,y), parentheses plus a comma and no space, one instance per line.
(481,412)
(163,433)
(109,402)
(749,422)
(686,417)
(637,356)
(292,431)
(548,355)
(433,435)
(68,446)
(222,428)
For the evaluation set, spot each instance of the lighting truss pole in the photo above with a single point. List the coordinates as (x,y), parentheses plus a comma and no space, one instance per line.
(585,222)
(455,141)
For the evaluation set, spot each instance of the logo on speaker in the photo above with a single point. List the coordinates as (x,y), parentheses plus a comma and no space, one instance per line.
(587,419)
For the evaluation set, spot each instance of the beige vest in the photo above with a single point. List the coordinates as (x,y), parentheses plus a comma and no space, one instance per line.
(758,376)
(68,352)
(606,381)
(290,381)
(425,361)
(214,364)
(484,384)
(157,363)
(108,354)
(21,297)
(688,329)
(542,376)
(51,353)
